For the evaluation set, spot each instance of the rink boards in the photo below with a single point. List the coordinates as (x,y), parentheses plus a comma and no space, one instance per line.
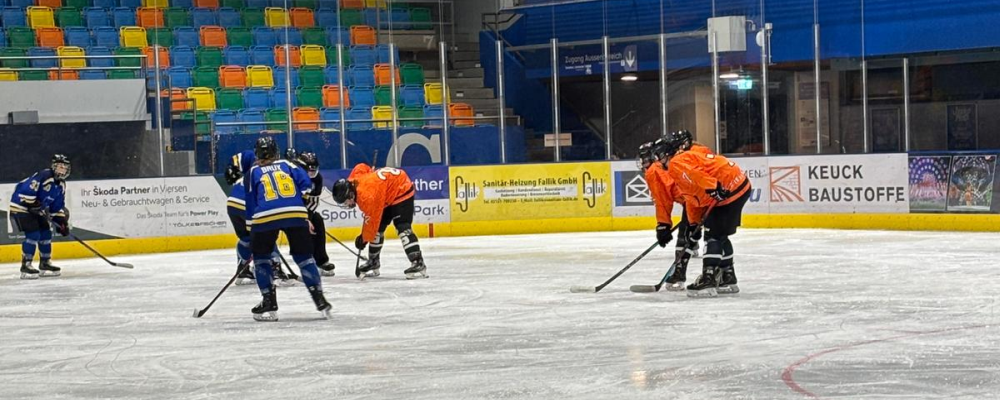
(876,191)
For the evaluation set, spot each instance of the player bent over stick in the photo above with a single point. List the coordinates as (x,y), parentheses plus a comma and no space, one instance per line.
(665,193)
(384,196)
(708,180)
(39,201)
(274,204)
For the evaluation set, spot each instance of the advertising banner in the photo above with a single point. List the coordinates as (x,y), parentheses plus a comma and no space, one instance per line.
(630,191)
(135,208)
(970,187)
(432,204)
(531,191)
(756,169)
(870,183)
(929,182)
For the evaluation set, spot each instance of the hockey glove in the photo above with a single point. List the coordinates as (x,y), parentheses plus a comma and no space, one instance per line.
(719,194)
(663,234)
(360,242)
(61,225)
(233,174)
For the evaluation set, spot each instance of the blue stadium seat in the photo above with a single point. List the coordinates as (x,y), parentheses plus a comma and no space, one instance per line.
(435,115)
(76,36)
(252,115)
(359,113)
(105,36)
(326,17)
(372,19)
(230,18)
(294,36)
(3,38)
(92,74)
(236,55)
(400,18)
(123,16)
(330,114)
(412,95)
(276,3)
(331,73)
(279,77)
(151,83)
(42,52)
(22,3)
(133,4)
(186,36)
(257,97)
(203,16)
(182,3)
(183,56)
(342,35)
(331,4)
(362,75)
(279,97)
(261,4)
(362,96)
(263,36)
(13,16)
(383,54)
(99,62)
(95,17)
(109,4)
(225,116)
(179,77)
(262,55)
(363,55)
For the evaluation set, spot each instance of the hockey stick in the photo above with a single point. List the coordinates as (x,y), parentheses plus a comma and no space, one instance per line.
(198,313)
(349,250)
(357,268)
(658,286)
(595,289)
(92,250)
(291,274)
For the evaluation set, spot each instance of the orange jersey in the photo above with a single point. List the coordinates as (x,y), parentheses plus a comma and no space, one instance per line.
(664,192)
(378,190)
(696,174)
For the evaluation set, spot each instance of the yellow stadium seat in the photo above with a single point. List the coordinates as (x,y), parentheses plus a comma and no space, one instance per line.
(71,62)
(204,97)
(276,17)
(434,93)
(313,55)
(375,3)
(41,17)
(133,36)
(156,3)
(382,112)
(7,75)
(259,76)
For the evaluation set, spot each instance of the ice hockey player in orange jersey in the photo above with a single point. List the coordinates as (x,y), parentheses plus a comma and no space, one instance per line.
(665,194)
(707,180)
(384,196)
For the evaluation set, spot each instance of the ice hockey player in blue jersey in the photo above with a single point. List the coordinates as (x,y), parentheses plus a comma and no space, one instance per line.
(236,208)
(274,203)
(38,203)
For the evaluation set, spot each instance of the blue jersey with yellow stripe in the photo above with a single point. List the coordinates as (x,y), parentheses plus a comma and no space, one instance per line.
(274,196)
(236,203)
(41,189)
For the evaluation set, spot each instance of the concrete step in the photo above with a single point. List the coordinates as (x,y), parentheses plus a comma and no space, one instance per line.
(471,93)
(465,64)
(465,83)
(458,73)
(464,56)
(467,46)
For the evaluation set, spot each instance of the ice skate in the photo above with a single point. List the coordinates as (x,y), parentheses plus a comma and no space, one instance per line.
(246,276)
(727,284)
(675,283)
(707,283)
(327,269)
(321,304)
(267,310)
(27,271)
(48,270)
(417,270)
(283,279)
(369,269)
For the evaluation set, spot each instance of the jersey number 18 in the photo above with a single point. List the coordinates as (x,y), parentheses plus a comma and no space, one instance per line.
(285,185)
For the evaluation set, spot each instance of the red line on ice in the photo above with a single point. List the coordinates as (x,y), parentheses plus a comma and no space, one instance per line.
(786,374)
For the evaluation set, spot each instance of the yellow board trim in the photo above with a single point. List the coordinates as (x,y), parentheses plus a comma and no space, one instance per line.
(907,222)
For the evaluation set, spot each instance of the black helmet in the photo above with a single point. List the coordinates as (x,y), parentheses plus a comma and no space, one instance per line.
(308,161)
(60,173)
(685,138)
(646,156)
(666,146)
(265,149)
(291,154)
(343,190)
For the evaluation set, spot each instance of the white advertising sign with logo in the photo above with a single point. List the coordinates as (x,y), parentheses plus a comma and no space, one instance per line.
(872,183)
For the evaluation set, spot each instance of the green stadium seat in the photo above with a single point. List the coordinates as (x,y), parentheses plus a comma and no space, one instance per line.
(32,76)
(229,99)
(239,36)
(176,16)
(331,56)
(253,17)
(78,4)
(69,16)
(13,52)
(411,112)
(351,17)
(206,77)
(276,115)
(315,36)
(21,37)
(383,96)
(209,57)
(309,97)
(162,36)
(412,74)
(310,4)
(420,17)
(121,74)
(127,62)
(311,76)
(237,4)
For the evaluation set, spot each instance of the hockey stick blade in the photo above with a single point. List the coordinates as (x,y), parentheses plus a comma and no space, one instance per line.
(583,289)
(644,288)
(198,313)
(123,265)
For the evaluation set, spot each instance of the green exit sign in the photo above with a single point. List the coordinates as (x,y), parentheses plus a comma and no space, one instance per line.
(744,84)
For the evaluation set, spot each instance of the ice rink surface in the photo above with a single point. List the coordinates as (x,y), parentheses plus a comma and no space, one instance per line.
(822,314)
